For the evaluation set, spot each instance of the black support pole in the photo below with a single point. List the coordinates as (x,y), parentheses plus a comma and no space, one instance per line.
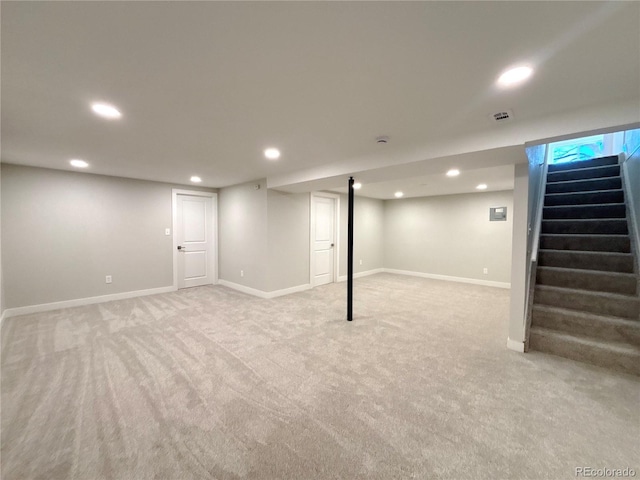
(350,254)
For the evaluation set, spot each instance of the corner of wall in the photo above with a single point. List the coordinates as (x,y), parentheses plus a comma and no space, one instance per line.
(288,230)
(243,234)
(517,309)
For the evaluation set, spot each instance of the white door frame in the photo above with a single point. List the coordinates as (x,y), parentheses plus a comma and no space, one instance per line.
(336,232)
(214,221)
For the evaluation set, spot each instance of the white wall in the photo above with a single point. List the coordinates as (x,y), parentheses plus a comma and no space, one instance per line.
(631,172)
(265,234)
(1,267)
(62,232)
(288,247)
(520,260)
(368,234)
(243,235)
(449,235)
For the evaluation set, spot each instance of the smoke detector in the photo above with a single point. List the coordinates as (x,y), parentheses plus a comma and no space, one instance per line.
(503,116)
(382,140)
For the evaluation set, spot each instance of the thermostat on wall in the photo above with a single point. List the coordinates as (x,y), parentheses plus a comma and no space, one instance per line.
(498,214)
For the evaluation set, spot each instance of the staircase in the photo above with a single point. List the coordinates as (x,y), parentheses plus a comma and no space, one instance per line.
(586,300)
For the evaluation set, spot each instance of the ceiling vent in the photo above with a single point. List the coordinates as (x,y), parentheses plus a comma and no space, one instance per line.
(503,116)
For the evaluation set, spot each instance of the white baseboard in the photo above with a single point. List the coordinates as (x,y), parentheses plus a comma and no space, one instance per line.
(261,293)
(288,291)
(78,302)
(343,278)
(515,345)
(487,283)
(45,307)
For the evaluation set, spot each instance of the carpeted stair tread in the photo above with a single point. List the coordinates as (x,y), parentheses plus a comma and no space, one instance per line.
(583,279)
(586,324)
(584,173)
(585,302)
(595,162)
(599,243)
(610,183)
(618,356)
(601,303)
(587,260)
(606,226)
(582,198)
(588,211)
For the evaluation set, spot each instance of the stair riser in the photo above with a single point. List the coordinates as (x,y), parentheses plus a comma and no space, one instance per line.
(587,261)
(612,227)
(587,243)
(584,212)
(612,196)
(585,302)
(584,280)
(588,326)
(582,174)
(628,363)
(613,183)
(596,162)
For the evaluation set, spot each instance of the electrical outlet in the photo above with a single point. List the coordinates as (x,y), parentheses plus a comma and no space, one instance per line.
(485,271)
(242,273)
(107,279)
(360,262)
(167,231)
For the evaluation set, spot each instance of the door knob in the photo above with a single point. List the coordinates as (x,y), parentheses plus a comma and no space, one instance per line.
(180,247)
(332,245)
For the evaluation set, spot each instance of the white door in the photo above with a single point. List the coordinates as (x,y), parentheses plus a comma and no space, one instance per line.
(323,239)
(194,234)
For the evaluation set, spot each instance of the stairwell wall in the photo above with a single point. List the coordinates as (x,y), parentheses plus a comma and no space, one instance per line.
(631,173)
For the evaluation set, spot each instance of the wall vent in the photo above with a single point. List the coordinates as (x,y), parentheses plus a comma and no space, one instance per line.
(503,116)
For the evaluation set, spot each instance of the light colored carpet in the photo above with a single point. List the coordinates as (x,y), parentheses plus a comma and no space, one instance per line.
(212,383)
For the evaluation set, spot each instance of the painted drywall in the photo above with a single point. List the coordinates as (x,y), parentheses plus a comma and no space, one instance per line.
(63,232)
(1,267)
(288,239)
(520,261)
(243,235)
(537,181)
(449,235)
(631,171)
(368,220)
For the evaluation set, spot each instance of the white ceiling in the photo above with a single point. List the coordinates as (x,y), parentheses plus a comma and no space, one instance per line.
(496,178)
(204,87)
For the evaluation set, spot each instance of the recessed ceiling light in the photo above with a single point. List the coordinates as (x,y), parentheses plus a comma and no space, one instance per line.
(105,110)
(78,163)
(454,172)
(514,76)
(357,186)
(196,179)
(482,186)
(399,194)
(272,153)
